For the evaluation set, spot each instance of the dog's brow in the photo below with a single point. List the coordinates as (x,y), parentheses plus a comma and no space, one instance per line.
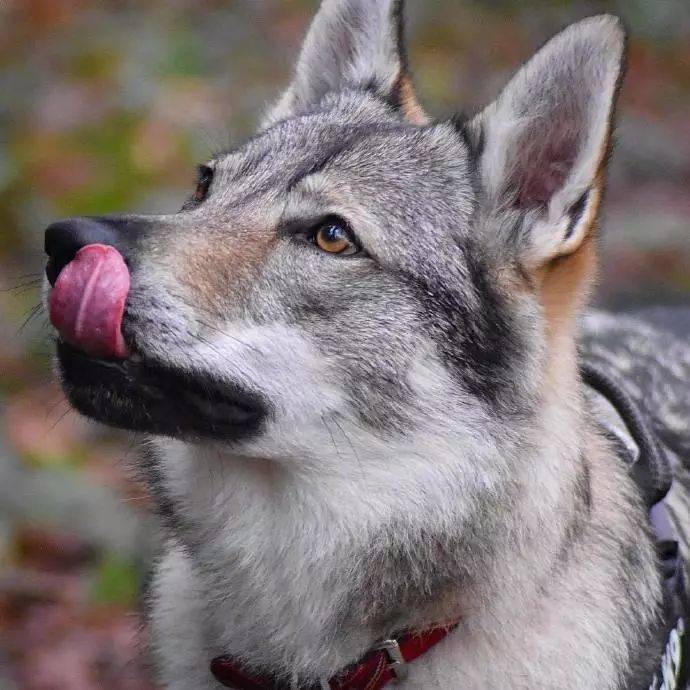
(315,165)
(350,137)
(242,163)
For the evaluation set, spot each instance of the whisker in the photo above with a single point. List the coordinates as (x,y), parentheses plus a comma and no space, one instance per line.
(208,343)
(330,433)
(228,335)
(196,307)
(23,286)
(347,438)
(33,312)
(60,418)
(61,399)
(26,276)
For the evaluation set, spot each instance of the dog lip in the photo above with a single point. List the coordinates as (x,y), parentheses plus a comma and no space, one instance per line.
(141,394)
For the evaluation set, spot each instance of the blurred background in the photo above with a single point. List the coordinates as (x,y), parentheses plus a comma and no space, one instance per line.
(106,106)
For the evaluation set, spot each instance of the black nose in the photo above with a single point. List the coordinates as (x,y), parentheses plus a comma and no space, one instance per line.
(66,237)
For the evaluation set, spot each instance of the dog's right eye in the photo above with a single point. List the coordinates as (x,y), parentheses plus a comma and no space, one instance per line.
(330,234)
(334,237)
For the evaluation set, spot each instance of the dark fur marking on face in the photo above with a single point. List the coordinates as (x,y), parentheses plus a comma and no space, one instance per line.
(374,380)
(350,137)
(477,342)
(310,168)
(384,403)
(373,376)
(493,347)
(311,308)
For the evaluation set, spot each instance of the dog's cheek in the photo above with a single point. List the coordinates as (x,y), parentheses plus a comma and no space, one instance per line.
(369,344)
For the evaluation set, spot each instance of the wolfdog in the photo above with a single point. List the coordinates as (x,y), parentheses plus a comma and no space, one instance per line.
(357,355)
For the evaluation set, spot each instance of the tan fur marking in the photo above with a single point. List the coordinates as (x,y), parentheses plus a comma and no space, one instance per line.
(409,103)
(565,289)
(216,267)
(565,282)
(564,286)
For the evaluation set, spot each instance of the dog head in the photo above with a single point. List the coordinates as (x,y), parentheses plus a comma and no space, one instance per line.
(355,264)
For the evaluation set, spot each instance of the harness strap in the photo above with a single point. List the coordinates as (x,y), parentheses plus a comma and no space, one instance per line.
(652,469)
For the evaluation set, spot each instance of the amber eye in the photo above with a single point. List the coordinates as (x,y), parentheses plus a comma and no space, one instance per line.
(334,238)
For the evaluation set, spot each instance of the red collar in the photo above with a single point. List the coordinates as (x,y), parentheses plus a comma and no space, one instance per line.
(385,662)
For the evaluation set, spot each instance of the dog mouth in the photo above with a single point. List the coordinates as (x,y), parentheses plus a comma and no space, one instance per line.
(140,394)
(107,379)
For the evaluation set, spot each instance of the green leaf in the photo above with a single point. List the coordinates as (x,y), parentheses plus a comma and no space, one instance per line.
(116,582)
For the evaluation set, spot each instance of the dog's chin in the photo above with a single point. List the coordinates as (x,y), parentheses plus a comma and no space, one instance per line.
(143,395)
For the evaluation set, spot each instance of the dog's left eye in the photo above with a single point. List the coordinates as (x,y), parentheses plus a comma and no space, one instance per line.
(335,238)
(204,179)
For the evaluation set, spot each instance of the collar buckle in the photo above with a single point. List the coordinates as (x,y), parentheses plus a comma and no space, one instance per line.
(397,663)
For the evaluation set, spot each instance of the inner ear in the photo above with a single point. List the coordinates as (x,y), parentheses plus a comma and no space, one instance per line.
(543,163)
(352,44)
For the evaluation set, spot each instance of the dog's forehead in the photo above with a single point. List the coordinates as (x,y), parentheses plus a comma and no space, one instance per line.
(364,143)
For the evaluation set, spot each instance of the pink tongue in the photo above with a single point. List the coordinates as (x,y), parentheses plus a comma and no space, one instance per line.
(88,300)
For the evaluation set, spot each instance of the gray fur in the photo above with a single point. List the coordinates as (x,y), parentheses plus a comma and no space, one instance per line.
(427,453)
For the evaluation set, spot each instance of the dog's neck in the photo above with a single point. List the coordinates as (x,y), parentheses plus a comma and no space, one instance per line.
(303,571)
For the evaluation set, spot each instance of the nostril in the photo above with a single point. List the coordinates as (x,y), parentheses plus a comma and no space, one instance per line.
(66,237)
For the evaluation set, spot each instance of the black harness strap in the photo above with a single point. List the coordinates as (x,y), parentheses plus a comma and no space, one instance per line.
(652,469)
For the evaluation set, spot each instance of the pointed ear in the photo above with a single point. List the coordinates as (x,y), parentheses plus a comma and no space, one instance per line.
(352,44)
(543,143)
